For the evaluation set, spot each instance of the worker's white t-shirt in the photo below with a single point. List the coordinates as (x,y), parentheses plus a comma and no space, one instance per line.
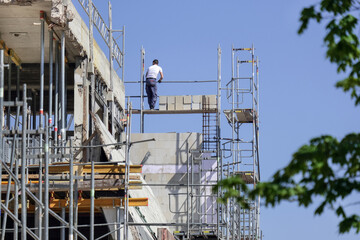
(153,71)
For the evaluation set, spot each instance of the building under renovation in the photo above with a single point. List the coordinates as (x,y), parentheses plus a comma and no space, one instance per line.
(71,167)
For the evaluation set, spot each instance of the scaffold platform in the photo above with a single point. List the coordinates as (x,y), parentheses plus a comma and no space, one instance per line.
(248,176)
(157,111)
(240,115)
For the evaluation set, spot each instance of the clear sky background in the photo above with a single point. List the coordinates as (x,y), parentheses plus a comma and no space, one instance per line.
(298,99)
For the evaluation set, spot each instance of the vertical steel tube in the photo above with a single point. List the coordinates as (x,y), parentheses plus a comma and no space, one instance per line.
(229,215)
(218,149)
(92,200)
(192,189)
(233,216)
(227,220)
(34,100)
(233,107)
(239,217)
(123,55)
(91,57)
(1,111)
(257,117)
(62,231)
(118,220)
(257,132)
(56,112)
(63,116)
(142,78)
(127,167)
(188,191)
(236,84)
(76,198)
(111,45)
(111,60)
(23,165)
(232,61)
(254,142)
(71,193)
(39,211)
(18,83)
(91,62)
(250,225)
(258,218)
(202,192)
(42,59)
(16,190)
(65,100)
(51,47)
(8,122)
(28,137)
(46,180)
(243,222)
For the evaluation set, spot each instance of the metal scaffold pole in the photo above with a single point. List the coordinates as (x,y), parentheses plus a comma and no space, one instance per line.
(111,60)
(218,135)
(46,193)
(62,89)
(41,126)
(188,192)
(71,193)
(1,113)
(123,55)
(142,78)
(56,100)
(51,47)
(23,168)
(8,116)
(111,47)
(16,189)
(127,169)
(92,76)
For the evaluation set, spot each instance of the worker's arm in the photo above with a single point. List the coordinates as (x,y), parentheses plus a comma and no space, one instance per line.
(161,77)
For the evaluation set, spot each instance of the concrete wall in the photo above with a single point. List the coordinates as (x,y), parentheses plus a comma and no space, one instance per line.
(165,161)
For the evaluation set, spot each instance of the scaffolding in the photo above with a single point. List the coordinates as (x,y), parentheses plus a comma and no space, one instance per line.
(205,218)
(52,186)
(241,151)
(31,165)
(58,176)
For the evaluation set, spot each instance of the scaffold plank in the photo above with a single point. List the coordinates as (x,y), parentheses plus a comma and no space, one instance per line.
(65,177)
(84,204)
(61,186)
(99,169)
(214,110)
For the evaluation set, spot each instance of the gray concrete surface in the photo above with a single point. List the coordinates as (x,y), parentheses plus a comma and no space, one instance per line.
(165,161)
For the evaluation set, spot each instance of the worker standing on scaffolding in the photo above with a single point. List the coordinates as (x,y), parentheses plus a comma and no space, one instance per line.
(151,88)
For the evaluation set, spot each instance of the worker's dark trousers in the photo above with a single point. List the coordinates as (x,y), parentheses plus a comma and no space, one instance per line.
(151,91)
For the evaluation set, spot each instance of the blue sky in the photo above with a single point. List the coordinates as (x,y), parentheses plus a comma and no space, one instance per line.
(298,99)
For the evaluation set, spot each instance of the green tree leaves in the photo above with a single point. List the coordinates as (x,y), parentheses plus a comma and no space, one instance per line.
(325,169)
(341,39)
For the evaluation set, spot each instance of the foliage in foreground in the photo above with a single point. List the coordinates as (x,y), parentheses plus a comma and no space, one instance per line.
(325,169)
